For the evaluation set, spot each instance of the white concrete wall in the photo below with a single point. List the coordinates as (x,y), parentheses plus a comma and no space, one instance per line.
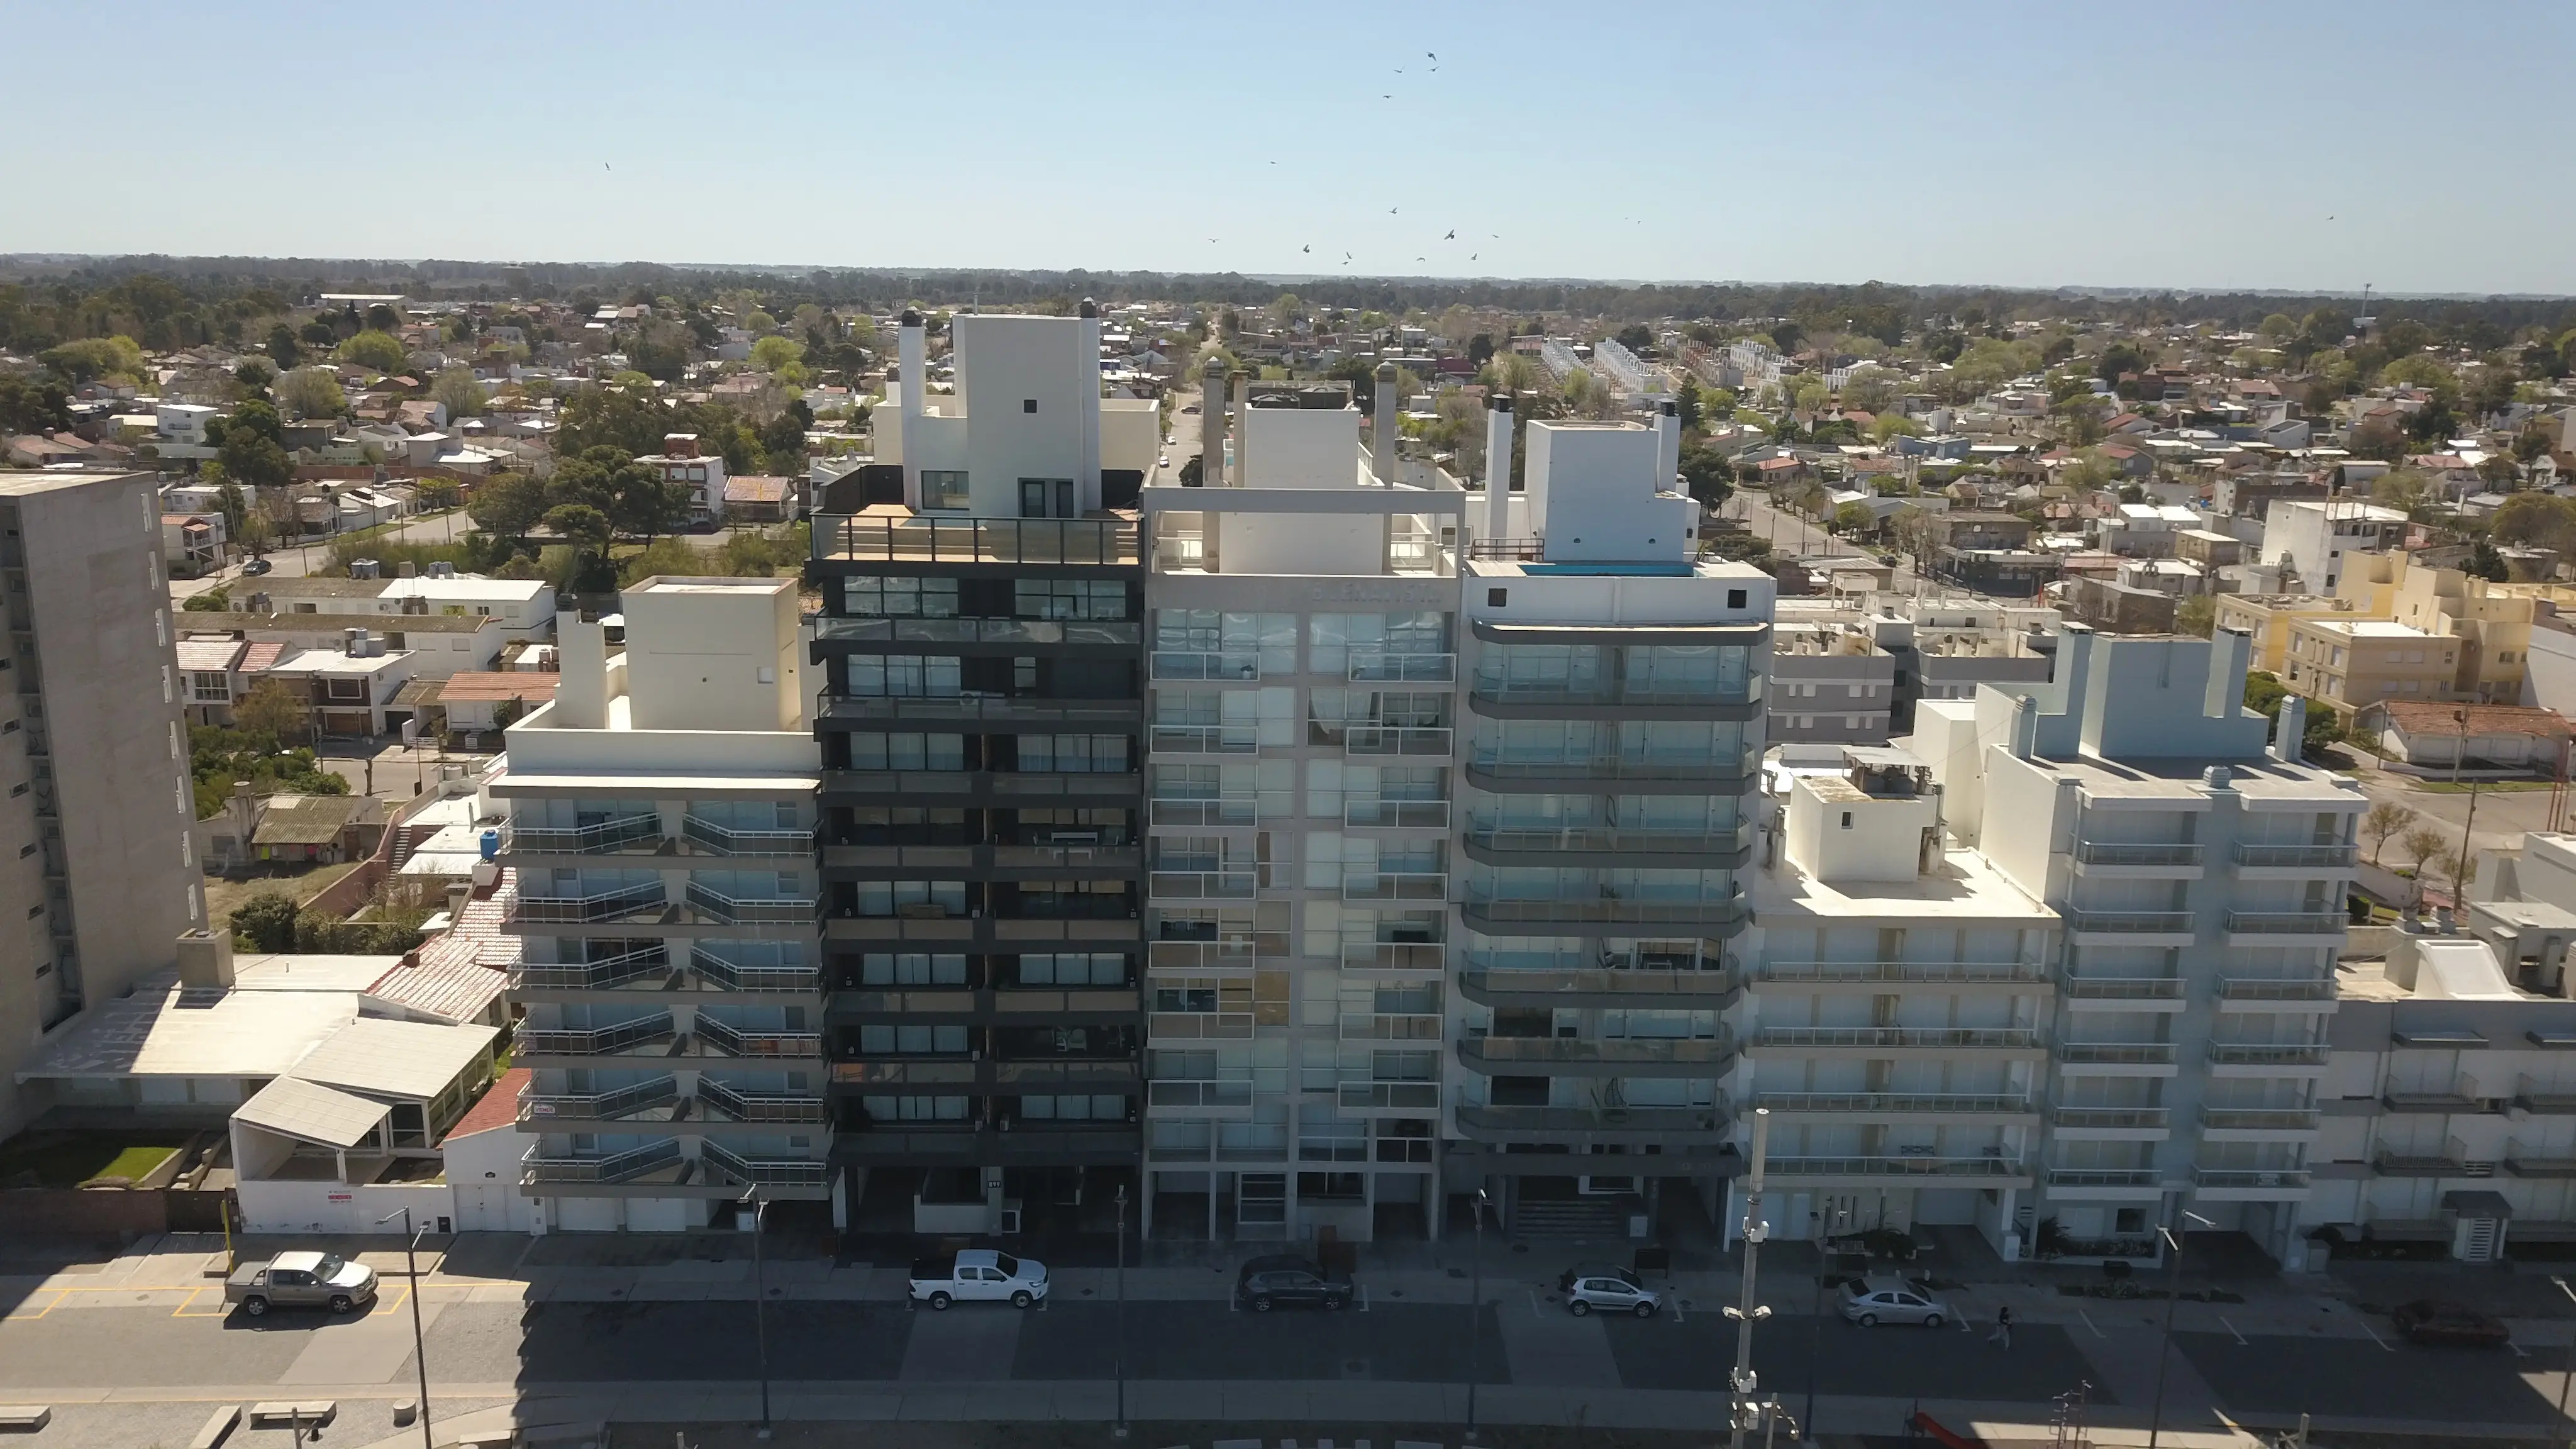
(331,1207)
(1131,433)
(1593,494)
(1301,448)
(1003,363)
(713,654)
(1258,543)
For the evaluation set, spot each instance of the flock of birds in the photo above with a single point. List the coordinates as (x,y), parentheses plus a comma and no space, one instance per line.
(1451,236)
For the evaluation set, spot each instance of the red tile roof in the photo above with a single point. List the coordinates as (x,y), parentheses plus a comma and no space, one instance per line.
(2425,718)
(498,1109)
(208,655)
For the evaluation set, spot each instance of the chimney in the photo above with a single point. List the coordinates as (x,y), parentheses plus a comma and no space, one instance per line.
(458,893)
(2025,727)
(2290,736)
(1212,423)
(1242,404)
(1668,445)
(1382,445)
(206,960)
(1498,465)
(353,642)
(1087,487)
(2230,650)
(912,378)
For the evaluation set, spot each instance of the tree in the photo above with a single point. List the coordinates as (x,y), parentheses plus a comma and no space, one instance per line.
(270,714)
(2383,820)
(282,348)
(2485,563)
(212,601)
(2196,615)
(28,406)
(312,392)
(266,922)
(1480,350)
(1706,473)
(580,525)
(1787,336)
(253,448)
(458,388)
(2404,489)
(1636,337)
(1686,406)
(92,358)
(2422,844)
(770,354)
(254,375)
(378,351)
(1852,518)
(2264,693)
(1870,389)
(508,506)
(604,417)
(234,506)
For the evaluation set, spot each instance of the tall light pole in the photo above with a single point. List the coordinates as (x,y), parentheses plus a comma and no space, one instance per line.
(1747,1312)
(1120,1431)
(419,1348)
(759,1206)
(2459,749)
(2567,1375)
(2173,1290)
(1476,1315)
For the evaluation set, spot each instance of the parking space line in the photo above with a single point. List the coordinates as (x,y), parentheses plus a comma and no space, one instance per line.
(1677,1309)
(2518,1350)
(59,1295)
(189,1303)
(2375,1338)
(1364,1298)
(2231,1328)
(1533,1298)
(2089,1323)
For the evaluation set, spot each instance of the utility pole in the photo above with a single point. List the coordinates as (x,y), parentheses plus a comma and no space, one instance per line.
(1747,1408)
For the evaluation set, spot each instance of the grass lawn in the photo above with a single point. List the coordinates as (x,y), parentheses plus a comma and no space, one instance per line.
(223,896)
(69,1161)
(2483,787)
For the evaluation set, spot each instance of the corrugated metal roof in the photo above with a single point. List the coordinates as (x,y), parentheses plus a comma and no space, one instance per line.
(208,655)
(414,1059)
(313,1112)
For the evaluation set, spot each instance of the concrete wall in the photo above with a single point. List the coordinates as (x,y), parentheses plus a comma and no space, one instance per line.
(1004,363)
(713,654)
(1301,448)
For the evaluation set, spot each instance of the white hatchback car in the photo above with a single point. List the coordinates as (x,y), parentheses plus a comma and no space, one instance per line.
(1886,1298)
(1611,1290)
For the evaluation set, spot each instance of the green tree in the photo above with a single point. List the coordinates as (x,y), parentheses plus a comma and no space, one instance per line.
(2196,615)
(30,406)
(2383,820)
(266,922)
(253,450)
(598,417)
(378,351)
(461,391)
(312,392)
(508,506)
(92,358)
(2264,693)
(282,348)
(2486,563)
(1636,337)
(234,506)
(1686,406)
(212,601)
(1871,389)
(254,375)
(1706,473)
(270,714)
(1480,350)
(1853,518)
(580,525)
(770,354)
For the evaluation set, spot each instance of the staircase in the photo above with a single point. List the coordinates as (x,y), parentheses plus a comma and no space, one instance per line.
(406,840)
(1601,1219)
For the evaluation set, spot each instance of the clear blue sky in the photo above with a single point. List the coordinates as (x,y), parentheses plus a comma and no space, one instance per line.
(2277,144)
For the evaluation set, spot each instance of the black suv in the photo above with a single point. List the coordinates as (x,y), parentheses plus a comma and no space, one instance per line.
(1267,1282)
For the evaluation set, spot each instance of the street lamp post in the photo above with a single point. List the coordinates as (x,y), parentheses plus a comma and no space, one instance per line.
(1475,1314)
(1746,1313)
(2567,1375)
(759,1206)
(1121,1355)
(2164,1344)
(419,1349)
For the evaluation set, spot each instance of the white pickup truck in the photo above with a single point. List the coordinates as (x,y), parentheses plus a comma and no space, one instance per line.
(978,1275)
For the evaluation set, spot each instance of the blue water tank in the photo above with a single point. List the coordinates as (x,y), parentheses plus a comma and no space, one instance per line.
(491,844)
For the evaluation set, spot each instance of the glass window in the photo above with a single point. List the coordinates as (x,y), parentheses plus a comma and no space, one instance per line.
(1074,754)
(943,489)
(899,598)
(912,968)
(1069,599)
(906,676)
(907,751)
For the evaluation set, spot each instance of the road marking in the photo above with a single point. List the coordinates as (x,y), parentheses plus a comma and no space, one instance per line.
(2089,1323)
(2375,1338)
(1677,1310)
(2518,1350)
(2231,1328)
(1364,1298)
(59,1295)
(1533,1298)
(222,1309)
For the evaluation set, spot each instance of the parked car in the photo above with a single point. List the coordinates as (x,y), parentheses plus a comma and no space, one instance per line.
(1612,1290)
(1886,1298)
(1268,1282)
(2427,1320)
(257,566)
(301,1280)
(978,1275)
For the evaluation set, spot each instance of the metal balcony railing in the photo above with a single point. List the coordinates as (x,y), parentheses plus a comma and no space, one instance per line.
(2105,1177)
(2130,923)
(1921,972)
(1390,1026)
(1236,666)
(1395,886)
(1609,840)
(1898,1166)
(733,1041)
(646,963)
(538,1107)
(2286,923)
(602,906)
(1474,1120)
(1618,767)
(1946,1038)
(1596,690)
(1205,739)
(1429,957)
(1221,809)
(1396,814)
(1386,666)
(617,1167)
(2120,1053)
(2267,1054)
(761,1106)
(1608,912)
(1183,956)
(1185,1092)
(751,911)
(707,835)
(2259,1119)
(1389,1096)
(1373,740)
(763,1171)
(2544,1098)
(1163,1027)
(2121,988)
(1644,985)
(2109,1117)
(976,540)
(732,975)
(622,833)
(2105,853)
(598,1042)
(1201,885)
(979,631)
(2246,988)
(1928,1103)
(1543,1050)
(2313,857)
(2249,1177)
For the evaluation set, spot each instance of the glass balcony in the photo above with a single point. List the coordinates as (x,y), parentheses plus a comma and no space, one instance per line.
(2137,1177)
(2121,988)
(1390,1026)
(536,1109)
(1205,740)
(734,1041)
(1900,1038)
(1930,1104)
(2122,1053)
(1183,957)
(1396,814)
(716,839)
(761,1106)
(606,905)
(536,1167)
(752,1171)
(1388,1096)
(1034,633)
(2301,857)
(1935,973)
(2247,1054)
(1716,770)
(1520,917)
(1427,958)
(1608,840)
(2286,923)
(641,833)
(1395,886)
(2105,853)
(726,974)
(975,540)
(750,911)
(648,963)
(2259,1119)
(1232,666)
(1510,1055)
(2250,1179)
(616,1040)
(1201,885)
(2130,923)
(1384,666)
(2111,1119)
(1988,1169)
(2242,988)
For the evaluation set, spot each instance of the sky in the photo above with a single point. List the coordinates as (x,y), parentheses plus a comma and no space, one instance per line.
(2291,145)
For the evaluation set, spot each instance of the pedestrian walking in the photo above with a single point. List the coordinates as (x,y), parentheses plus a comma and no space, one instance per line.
(2003,1328)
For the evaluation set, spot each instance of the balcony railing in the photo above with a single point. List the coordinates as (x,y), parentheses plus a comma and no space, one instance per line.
(2117,1118)
(1607,912)
(1545,1050)
(2105,1177)
(1222,810)
(2452,1160)
(1389,1096)
(617,1167)
(1396,814)
(751,911)
(1434,740)
(734,1041)
(734,976)
(1609,840)
(2286,923)
(2246,988)
(603,906)
(1645,986)
(539,1107)
(2259,1119)
(1927,1103)
(2121,988)
(1395,886)
(1235,666)
(2249,1177)
(1618,767)
(1475,1121)
(2131,923)
(622,833)
(1184,956)
(601,1041)
(707,835)
(1900,1166)
(647,963)
(1164,1027)
(976,540)
(1384,666)
(1425,957)
(2267,1054)
(1201,885)
(764,1171)
(1948,1038)
(2105,853)
(1390,1026)
(1035,632)
(2120,1053)
(2312,857)
(1199,1092)
(1501,689)
(761,1106)
(2547,1099)
(1205,740)
(1913,972)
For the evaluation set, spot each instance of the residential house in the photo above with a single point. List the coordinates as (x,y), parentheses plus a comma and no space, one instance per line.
(2315,537)
(2472,736)
(2348,663)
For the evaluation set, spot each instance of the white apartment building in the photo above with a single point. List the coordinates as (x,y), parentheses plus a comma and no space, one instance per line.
(2200,878)
(2314,536)
(97,868)
(661,866)
(1303,706)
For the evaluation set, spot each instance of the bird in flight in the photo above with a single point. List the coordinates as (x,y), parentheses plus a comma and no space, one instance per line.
(1310,246)
(1390,211)
(1435,58)
(1212,241)
(1452,236)
(1471,256)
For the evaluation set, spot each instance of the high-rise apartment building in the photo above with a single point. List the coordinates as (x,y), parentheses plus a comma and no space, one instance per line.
(97,872)
(660,849)
(981,639)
